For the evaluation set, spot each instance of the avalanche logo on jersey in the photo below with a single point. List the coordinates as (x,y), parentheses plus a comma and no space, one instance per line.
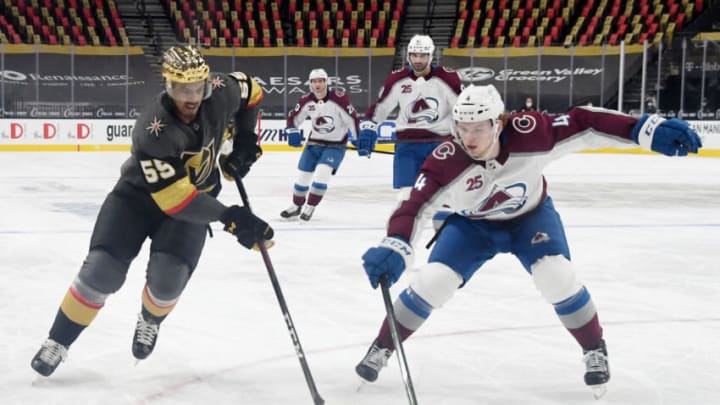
(324,124)
(444,150)
(422,109)
(500,201)
(524,124)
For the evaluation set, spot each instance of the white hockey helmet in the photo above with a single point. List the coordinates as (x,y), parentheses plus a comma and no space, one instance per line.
(318,89)
(421,44)
(479,103)
(318,74)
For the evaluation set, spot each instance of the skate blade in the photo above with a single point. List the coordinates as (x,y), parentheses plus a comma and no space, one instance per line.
(38,380)
(598,390)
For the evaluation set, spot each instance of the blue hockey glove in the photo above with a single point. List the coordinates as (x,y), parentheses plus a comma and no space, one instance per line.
(671,137)
(352,138)
(367,138)
(293,136)
(389,259)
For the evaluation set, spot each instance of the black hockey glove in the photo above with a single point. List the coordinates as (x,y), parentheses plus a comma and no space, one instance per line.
(239,161)
(247,228)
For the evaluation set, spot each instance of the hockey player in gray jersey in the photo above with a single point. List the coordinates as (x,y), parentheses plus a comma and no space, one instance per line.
(332,116)
(166,192)
(492,173)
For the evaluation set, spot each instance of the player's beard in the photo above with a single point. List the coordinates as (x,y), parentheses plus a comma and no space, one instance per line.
(188,110)
(423,69)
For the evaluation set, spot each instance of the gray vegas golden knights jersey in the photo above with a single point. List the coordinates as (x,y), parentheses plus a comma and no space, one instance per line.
(175,162)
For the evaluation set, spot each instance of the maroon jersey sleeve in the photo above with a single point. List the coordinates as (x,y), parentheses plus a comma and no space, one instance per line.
(533,131)
(293,114)
(451,77)
(445,164)
(386,90)
(343,100)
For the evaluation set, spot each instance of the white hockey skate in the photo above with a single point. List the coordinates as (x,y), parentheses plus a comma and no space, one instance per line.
(597,369)
(375,359)
(307,213)
(291,212)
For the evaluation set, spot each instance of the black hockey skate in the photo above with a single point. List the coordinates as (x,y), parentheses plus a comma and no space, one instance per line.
(597,369)
(291,211)
(375,359)
(146,333)
(307,212)
(49,356)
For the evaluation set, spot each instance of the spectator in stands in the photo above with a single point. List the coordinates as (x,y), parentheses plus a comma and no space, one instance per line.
(529,105)
(332,116)
(650,105)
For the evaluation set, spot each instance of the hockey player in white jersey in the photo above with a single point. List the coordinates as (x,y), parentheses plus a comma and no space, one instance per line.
(424,95)
(332,116)
(492,171)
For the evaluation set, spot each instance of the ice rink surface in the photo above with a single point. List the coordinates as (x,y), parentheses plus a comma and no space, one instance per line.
(644,232)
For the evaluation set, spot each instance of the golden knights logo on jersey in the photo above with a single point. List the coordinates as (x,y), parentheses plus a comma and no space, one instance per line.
(199,165)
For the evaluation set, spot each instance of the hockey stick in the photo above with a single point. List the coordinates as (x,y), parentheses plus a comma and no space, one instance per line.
(317,399)
(397,141)
(402,360)
(382,152)
(438,139)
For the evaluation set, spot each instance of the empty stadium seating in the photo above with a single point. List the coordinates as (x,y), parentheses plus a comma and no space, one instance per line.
(352,23)
(565,22)
(79,22)
(326,23)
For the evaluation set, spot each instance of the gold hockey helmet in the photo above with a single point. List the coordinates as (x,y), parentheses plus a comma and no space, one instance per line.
(184,64)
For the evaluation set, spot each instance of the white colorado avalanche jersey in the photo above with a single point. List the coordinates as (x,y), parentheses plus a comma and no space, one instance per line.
(511,184)
(425,103)
(332,118)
